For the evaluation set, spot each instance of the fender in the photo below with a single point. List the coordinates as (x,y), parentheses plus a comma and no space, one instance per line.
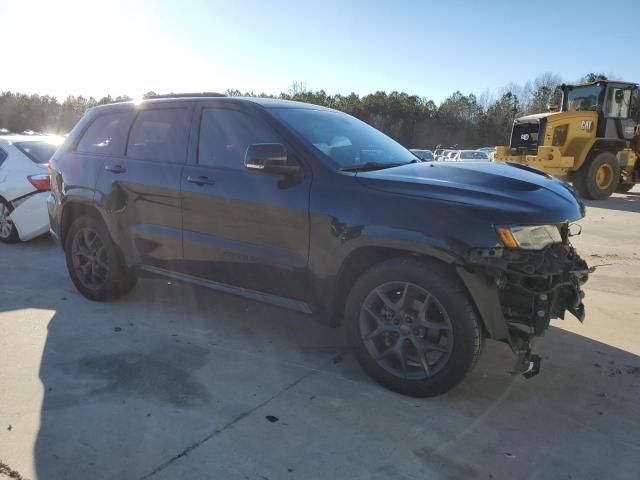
(484,292)
(598,144)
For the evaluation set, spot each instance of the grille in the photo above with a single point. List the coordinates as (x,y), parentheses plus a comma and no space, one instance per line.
(524,137)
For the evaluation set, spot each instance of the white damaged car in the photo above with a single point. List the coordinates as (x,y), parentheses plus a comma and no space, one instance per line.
(25,185)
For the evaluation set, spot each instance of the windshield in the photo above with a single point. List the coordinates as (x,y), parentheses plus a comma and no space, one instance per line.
(348,141)
(582,99)
(40,151)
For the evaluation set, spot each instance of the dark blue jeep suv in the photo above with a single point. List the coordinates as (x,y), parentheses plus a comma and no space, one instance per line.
(311,209)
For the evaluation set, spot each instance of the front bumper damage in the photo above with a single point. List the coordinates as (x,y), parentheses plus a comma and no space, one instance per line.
(30,216)
(518,292)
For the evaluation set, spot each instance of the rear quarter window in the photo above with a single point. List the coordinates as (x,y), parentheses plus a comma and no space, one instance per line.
(160,135)
(106,134)
(3,156)
(37,151)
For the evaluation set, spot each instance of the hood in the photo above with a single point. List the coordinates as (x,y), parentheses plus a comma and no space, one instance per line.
(534,117)
(514,193)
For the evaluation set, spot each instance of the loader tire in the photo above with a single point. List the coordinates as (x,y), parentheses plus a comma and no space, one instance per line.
(598,177)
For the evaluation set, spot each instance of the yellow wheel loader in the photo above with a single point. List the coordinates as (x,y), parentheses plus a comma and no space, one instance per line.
(591,141)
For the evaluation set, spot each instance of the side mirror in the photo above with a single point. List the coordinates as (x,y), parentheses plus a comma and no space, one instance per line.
(552,107)
(269,157)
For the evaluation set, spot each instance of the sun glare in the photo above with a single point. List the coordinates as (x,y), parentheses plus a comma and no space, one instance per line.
(87,38)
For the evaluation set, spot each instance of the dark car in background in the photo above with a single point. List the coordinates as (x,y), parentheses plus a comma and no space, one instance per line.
(424,155)
(311,209)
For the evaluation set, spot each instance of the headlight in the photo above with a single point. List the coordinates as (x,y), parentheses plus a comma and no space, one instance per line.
(529,238)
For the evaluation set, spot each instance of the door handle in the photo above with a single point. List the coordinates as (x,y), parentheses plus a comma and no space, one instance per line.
(115,168)
(202,180)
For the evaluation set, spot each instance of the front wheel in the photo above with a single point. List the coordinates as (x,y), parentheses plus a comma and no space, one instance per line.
(8,231)
(598,177)
(413,327)
(94,263)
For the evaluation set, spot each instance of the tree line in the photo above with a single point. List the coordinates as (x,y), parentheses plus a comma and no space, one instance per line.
(464,120)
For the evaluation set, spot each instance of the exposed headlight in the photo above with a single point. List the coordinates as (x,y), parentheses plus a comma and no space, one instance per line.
(529,238)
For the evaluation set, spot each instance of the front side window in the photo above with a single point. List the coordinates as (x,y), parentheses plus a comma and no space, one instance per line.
(617,102)
(348,141)
(105,134)
(226,134)
(160,135)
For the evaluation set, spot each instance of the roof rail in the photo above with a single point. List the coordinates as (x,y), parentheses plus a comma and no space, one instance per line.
(186,95)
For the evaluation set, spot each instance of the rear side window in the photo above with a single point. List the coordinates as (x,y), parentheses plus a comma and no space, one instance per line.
(39,152)
(161,135)
(106,134)
(3,156)
(226,134)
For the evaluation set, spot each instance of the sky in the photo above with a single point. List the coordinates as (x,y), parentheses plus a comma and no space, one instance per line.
(425,48)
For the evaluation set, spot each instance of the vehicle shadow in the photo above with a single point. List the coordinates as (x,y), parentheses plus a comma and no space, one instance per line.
(625,202)
(130,387)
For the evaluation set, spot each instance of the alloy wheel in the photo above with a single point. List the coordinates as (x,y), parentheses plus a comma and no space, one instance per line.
(406,330)
(89,258)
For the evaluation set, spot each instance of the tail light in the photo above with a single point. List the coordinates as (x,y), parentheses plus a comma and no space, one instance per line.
(42,182)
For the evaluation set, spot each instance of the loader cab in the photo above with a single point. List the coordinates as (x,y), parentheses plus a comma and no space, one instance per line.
(615,103)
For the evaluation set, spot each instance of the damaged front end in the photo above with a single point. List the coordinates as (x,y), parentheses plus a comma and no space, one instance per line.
(522,290)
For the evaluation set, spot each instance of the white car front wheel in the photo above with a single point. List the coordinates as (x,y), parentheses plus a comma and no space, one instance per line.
(8,231)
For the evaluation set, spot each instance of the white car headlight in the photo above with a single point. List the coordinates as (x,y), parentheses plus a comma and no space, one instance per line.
(529,238)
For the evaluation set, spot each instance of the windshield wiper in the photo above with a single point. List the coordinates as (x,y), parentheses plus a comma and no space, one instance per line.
(374,166)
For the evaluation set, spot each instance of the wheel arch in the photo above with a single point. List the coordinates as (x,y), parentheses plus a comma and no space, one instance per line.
(603,145)
(73,210)
(364,258)
(353,266)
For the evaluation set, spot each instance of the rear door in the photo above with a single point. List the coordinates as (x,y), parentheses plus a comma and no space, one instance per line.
(243,227)
(142,188)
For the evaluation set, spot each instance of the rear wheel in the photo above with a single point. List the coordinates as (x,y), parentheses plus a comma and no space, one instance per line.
(94,263)
(624,187)
(8,231)
(598,177)
(413,327)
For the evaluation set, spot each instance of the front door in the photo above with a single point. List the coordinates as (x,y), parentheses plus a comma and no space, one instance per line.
(242,227)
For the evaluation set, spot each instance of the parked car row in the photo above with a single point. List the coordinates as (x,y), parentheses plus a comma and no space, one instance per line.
(454,155)
(313,210)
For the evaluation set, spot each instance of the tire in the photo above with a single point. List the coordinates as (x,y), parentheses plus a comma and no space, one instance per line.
(589,180)
(624,187)
(94,262)
(451,313)
(8,231)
